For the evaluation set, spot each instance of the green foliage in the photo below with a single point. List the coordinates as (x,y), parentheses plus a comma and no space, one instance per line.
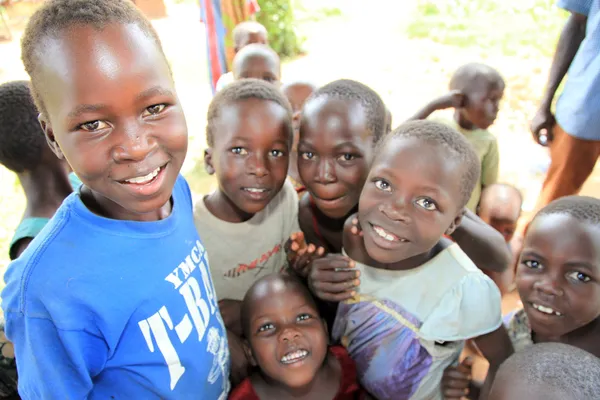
(525,28)
(278,17)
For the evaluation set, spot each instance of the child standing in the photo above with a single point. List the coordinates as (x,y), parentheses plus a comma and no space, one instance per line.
(257,61)
(249,136)
(287,340)
(244,33)
(420,297)
(114,297)
(297,92)
(548,371)
(23,150)
(558,282)
(475,94)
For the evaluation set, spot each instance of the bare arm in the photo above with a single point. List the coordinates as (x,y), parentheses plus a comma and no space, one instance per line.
(483,244)
(570,39)
(495,347)
(452,99)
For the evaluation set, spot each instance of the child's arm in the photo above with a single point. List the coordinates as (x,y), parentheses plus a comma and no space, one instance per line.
(490,165)
(452,99)
(54,363)
(307,222)
(483,244)
(495,347)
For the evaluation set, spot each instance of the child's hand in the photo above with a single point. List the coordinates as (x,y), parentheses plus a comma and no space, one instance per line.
(452,99)
(356,229)
(457,380)
(231,312)
(300,255)
(333,278)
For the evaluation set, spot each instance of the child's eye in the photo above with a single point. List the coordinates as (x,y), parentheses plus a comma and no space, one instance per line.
(346,157)
(383,185)
(153,110)
(276,153)
(427,204)
(93,126)
(577,276)
(266,327)
(307,155)
(532,264)
(303,317)
(239,151)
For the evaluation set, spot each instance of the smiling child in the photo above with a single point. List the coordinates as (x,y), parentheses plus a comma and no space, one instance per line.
(114,297)
(287,342)
(420,297)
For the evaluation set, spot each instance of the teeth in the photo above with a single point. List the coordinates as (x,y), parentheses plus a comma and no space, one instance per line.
(546,310)
(144,179)
(382,233)
(294,356)
(255,190)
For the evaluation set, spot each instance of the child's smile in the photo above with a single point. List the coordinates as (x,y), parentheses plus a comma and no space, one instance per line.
(558,275)
(126,148)
(409,200)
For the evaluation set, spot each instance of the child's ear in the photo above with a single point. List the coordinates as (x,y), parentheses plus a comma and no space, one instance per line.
(208,164)
(49,133)
(248,352)
(455,223)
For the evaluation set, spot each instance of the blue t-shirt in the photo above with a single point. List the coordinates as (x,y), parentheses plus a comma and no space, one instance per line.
(578,108)
(108,309)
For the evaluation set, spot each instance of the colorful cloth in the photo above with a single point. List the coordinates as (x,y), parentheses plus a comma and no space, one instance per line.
(220,17)
(349,387)
(519,331)
(405,327)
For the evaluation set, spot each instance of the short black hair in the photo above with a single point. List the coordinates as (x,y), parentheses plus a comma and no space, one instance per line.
(245,28)
(22,140)
(451,140)
(289,281)
(558,367)
(242,90)
(55,16)
(254,51)
(582,208)
(466,76)
(349,90)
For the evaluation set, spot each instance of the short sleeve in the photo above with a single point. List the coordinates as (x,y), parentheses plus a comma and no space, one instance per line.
(469,309)
(490,164)
(290,202)
(582,7)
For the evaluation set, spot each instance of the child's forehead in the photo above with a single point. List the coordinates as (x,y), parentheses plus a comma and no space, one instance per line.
(276,292)
(324,108)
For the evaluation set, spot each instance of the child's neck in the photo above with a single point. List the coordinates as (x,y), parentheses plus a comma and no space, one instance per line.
(463,122)
(585,338)
(325,384)
(45,189)
(219,205)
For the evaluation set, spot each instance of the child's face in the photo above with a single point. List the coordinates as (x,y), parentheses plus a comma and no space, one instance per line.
(483,103)
(502,217)
(410,199)
(250,153)
(264,68)
(114,115)
(558,276)
(286,335)
(334,154)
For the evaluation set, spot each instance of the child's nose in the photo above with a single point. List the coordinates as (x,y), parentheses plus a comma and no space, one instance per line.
(326,172)
(257,165)
(289,334)
(548,286)
(396,209)
(134,144)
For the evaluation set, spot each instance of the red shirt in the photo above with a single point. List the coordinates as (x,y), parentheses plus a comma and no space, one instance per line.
(349,387)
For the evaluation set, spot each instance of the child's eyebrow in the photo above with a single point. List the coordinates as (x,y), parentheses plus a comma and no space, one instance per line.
(154,91)
(85,108)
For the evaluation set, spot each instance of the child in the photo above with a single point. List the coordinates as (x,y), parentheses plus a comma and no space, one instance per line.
(500,207)
(475,94)
(297,92)
(340,124)
(244,33)
(246,222)
(420,297)
(257,61)
(557,279)
(114,297)
(23,150)
(548,371)
(287,341)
